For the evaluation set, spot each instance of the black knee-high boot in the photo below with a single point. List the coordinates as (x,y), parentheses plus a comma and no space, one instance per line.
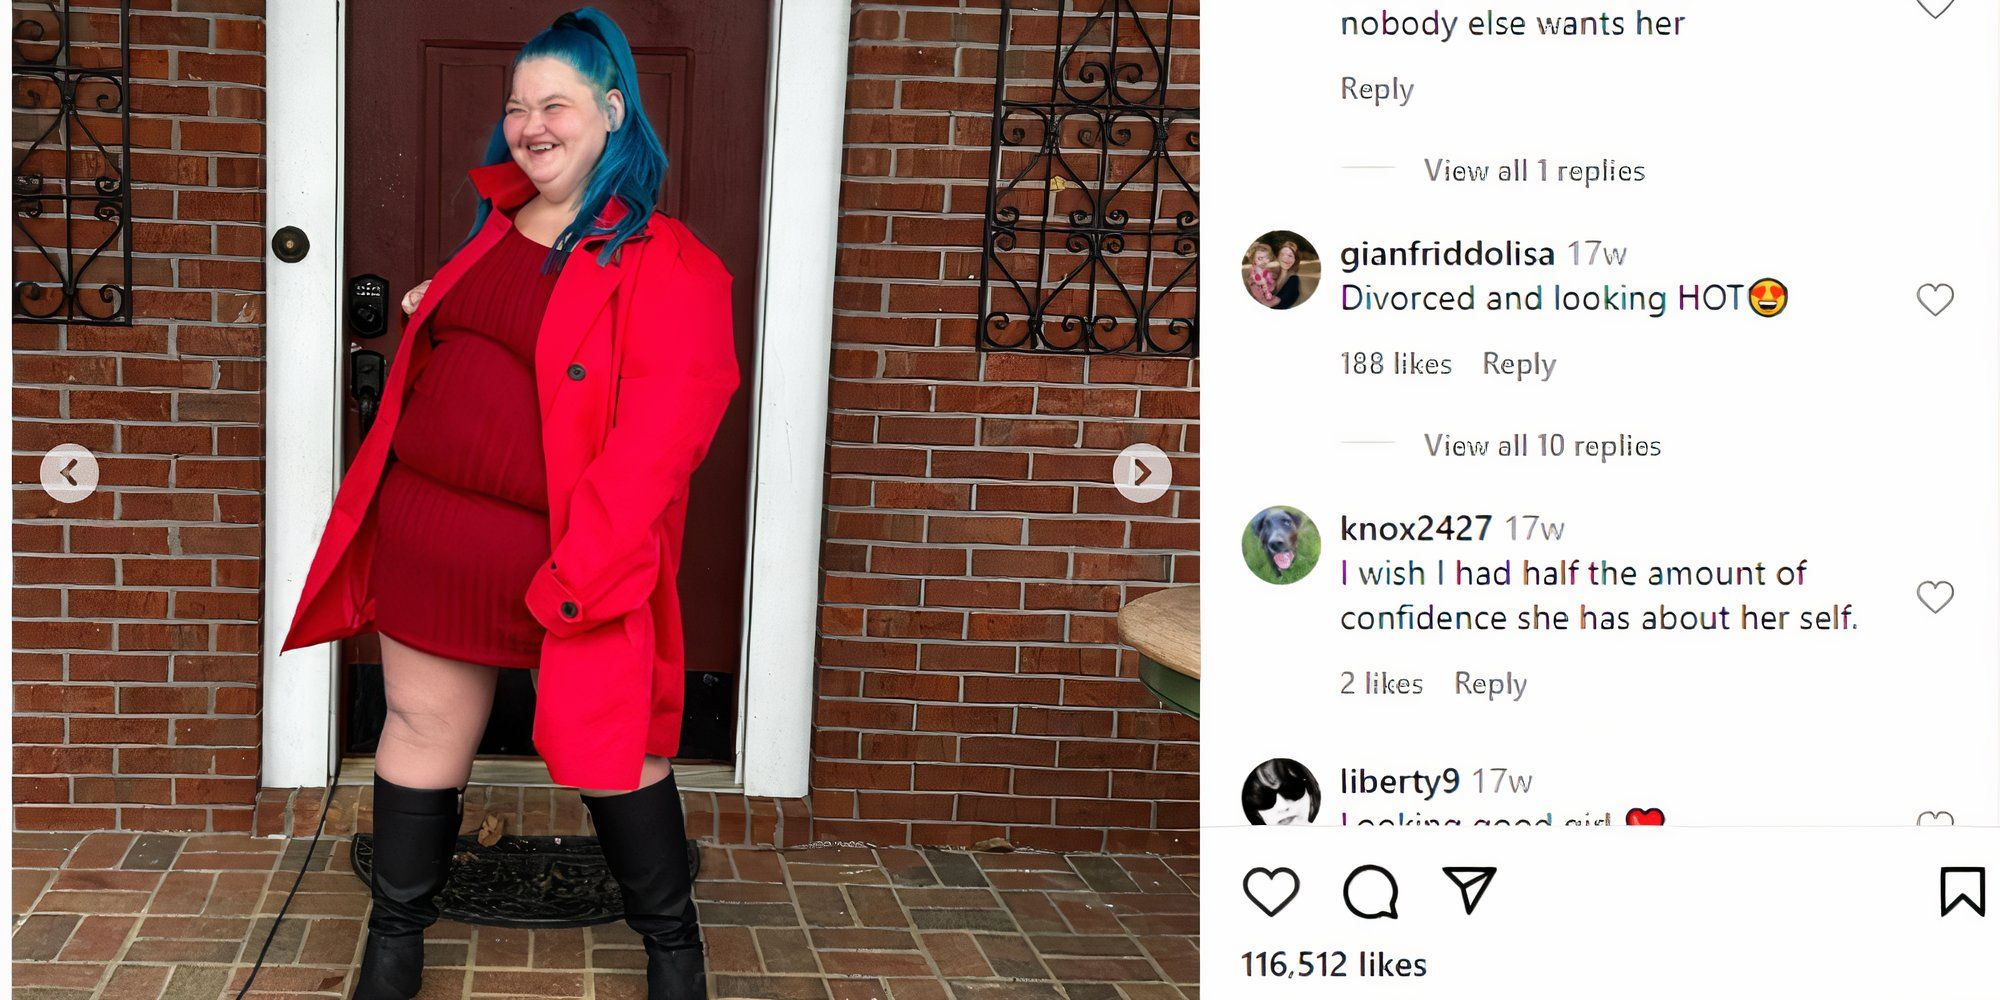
(644,837)
(414,832)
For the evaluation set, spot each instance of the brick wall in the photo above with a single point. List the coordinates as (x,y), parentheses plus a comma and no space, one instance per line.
(970,678)
(136,610)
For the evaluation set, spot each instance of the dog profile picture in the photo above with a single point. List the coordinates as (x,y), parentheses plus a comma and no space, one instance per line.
(1281,545)
(1280,269)
(1281,792)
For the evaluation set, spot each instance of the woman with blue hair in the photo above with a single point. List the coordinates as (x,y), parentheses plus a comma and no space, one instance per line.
(577,354)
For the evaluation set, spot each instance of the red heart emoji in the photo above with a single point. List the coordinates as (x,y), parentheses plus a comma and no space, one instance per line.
(1645,817)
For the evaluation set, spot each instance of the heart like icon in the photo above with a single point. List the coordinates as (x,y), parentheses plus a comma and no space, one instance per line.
(1261,884)
(1938,818)
(1645,817)
(1935,594)
(1935,8)
(1935,298)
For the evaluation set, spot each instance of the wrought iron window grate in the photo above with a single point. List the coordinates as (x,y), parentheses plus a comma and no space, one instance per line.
(1092,230)
(72,199)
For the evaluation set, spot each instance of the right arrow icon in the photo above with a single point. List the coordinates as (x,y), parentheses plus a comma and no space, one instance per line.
(1472,883)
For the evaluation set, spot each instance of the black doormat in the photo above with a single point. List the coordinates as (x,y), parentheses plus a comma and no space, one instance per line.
(525,881)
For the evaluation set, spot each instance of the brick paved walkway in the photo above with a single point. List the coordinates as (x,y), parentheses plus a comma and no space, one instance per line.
(126,916)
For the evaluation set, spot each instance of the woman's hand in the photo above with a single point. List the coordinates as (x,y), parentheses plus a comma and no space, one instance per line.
(414,296)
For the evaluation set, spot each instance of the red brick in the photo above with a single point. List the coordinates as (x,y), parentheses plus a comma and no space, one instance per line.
(1108,694)
(972,593)
(909,746)
(896,623)
(925,430)
(1116,435)
(1105,753)
(877,24)
(842,589)
(1015,627)
(884,330)
(915,686)
(151,98)
(1072,597)
(967,656)
(978,464)
(1081,466)
(1004,809)
(30,570)
(978,530)
(84,730)
(868,654)
(1090,401)
(1053,722)
(900,60)
(925,496)
(65,698)
(985,399)
(1019,563)
(911,560)
(1112,368)
(179,31)
(217,732)
(1118,566)
(1043,499)
(1103,813)
(877,461)
(1083,534)
(1013,690)
(235,34)
(995,433)
(963,719)
(946,777)
(230,68)
(1066,782)
(854,774)
(929,365)
(205,791)
(1157,726)
(864,714)
(881,527)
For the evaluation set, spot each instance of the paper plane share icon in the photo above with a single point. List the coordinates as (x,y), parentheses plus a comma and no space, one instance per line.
(1472,883)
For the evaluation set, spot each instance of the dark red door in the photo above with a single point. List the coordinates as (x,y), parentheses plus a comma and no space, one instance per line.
(425,86)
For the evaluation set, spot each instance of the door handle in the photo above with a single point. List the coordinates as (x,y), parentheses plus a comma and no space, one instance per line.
(365,374)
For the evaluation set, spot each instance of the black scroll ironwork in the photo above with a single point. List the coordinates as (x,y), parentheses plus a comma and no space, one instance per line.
(72,196)
(1092,230)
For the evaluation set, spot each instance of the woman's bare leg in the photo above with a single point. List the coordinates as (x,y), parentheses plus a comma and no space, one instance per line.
(437,711)
(654,769)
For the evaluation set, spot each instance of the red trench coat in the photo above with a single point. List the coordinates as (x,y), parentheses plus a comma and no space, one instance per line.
(634,364)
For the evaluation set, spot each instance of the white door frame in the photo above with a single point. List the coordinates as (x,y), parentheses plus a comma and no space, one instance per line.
(305,68)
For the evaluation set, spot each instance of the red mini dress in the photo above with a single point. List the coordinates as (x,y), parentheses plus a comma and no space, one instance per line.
(464,504)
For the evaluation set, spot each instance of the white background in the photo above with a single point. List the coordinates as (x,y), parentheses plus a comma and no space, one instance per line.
(1848,150)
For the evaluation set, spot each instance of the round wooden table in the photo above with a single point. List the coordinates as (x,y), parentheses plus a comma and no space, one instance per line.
(1165,627)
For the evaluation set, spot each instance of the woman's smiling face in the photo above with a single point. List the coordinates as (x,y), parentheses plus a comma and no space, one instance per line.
(554,128)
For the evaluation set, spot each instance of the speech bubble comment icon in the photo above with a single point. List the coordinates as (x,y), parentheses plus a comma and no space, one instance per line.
(1370,892)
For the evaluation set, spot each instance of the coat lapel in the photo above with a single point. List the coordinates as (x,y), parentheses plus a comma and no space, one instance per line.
(581,292)
(582,289)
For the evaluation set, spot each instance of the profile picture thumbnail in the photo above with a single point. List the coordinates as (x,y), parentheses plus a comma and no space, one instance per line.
(1281,269)
(1281,792)
(1281,545)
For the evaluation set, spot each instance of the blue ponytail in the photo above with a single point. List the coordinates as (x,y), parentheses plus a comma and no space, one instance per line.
(633,162)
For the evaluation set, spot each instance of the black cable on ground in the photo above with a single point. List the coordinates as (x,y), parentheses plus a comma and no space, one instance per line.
(325,805)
